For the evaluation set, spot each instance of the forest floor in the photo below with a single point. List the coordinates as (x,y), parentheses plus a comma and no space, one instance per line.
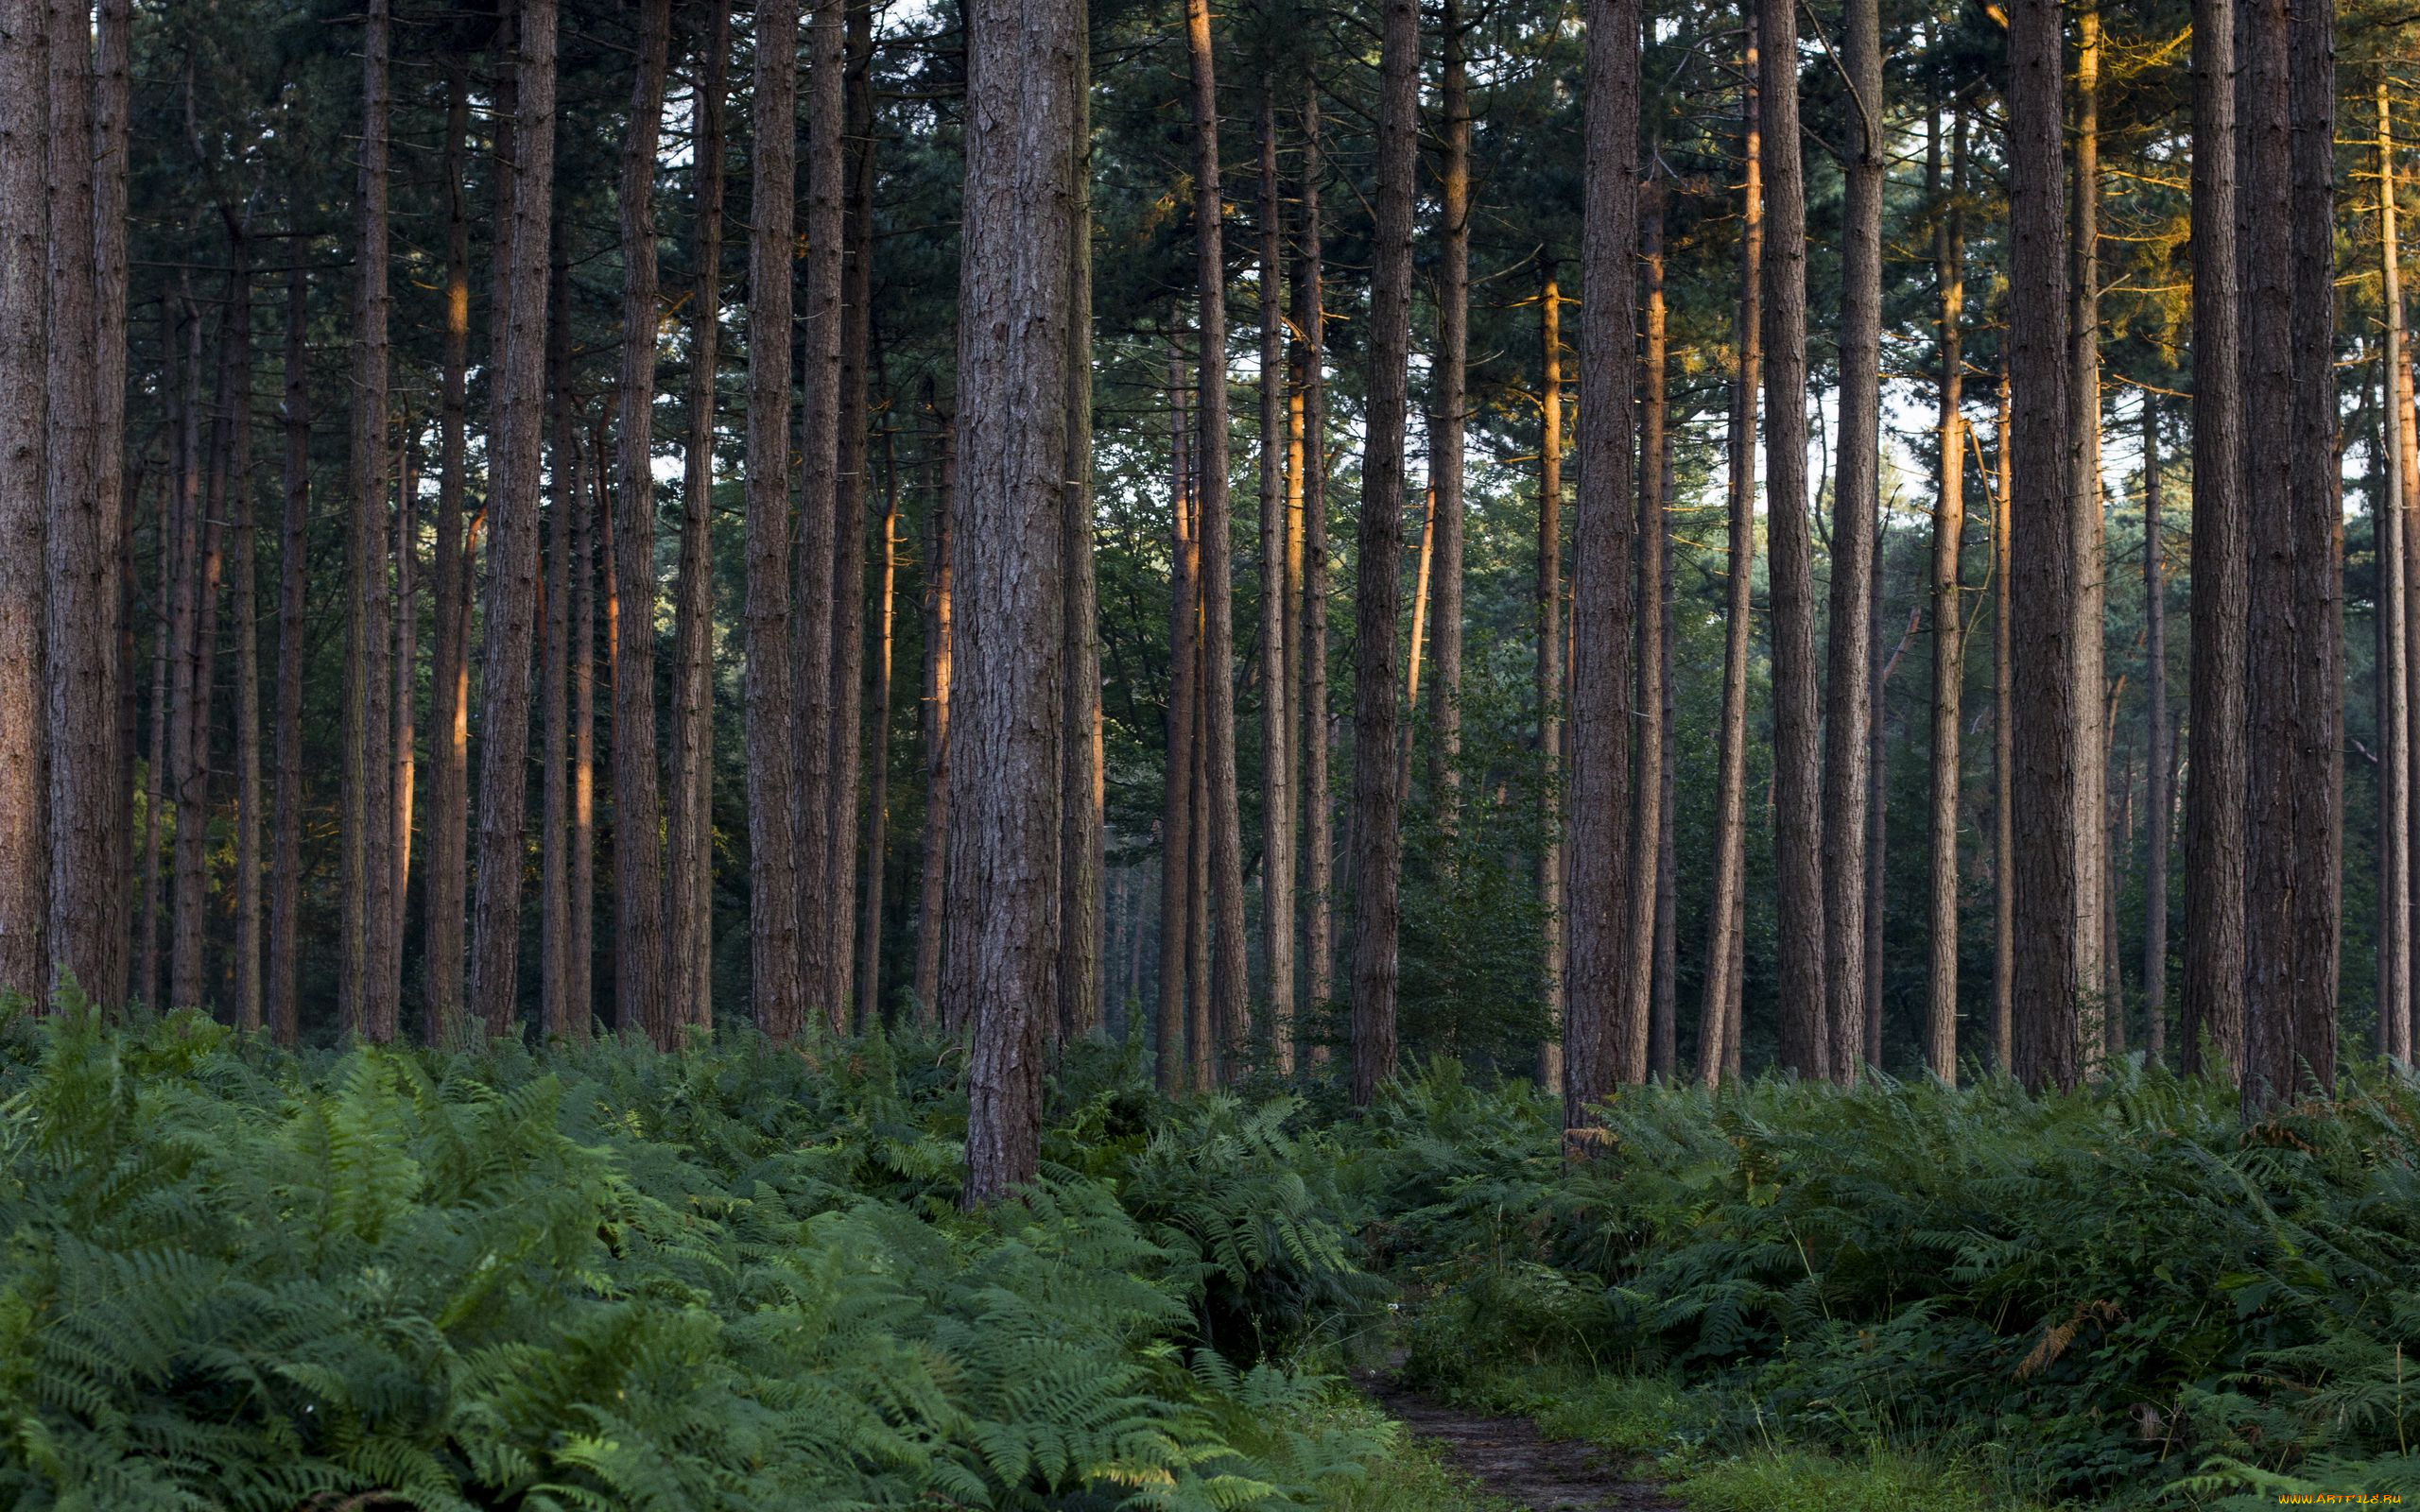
(1510,1459)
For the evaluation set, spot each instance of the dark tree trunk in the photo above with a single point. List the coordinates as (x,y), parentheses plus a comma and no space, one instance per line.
(1084,783)
(642,989)
(1176,821)
(690,830)
(878,805)
(1446,464)
(112,92)
(1799,894)
(446,884)
(2293,709)
(774,941)
(849,503)
(1598,1047)
(1637,1046)
(1276,617)
(1377,798)
(938,627)
(242,547)
(2214,795)
(293,561)
(555,1008)
(24,220)
(512,553)
(1014,290)
(2161,801)
(2043,558)
(2003,754)
(368,832)
(1319,844)
(1855,499)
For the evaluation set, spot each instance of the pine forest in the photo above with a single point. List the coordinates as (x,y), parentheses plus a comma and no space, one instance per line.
(1344,755)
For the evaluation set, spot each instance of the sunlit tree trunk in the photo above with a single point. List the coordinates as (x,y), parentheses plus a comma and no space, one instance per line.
(878,803)
(1948,613)
(2393,671)
(1276,619)
(938,626)
(1549,669)
(2091,732)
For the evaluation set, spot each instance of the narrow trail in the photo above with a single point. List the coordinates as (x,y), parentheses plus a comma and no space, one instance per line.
(1509,1458)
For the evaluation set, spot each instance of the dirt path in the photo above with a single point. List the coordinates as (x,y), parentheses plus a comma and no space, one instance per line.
(1510,1459)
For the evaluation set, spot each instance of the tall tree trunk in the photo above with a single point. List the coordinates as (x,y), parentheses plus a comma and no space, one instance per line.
(111,888)
(1664,1028)
(1637,1049)
(823,228)
(2293,710)
(81,534)
(878,807)
(1319,846)
(689,950)
(2042,559)
(1378,798)
(248,677)
(1201,1022)
(2091,733)
(25,222)
(1716,1026)
(1948,613)
(1229,987)
(1015,287)
(156,775)
(1277,618)
(367,834)
(580,683)
(2161,801)
(1549,669)
(849,503)
(293,561)
(1877,796)
(557,1009)
(781,981)
(512,515)
(1599,1046)
(1177,839)
(2393,668)
(938,627)
(2003,753)
(1855,498)
(1422,576)
(642,989)
(446,885)
(183,609)
(1799,893)
(1085,782)
(204,570)
(1451,424)
(2214,797)
(404,735)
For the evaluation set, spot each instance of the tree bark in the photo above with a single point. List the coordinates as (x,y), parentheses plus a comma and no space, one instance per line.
(1022,79)
(155,794)
(1600,1047)
(1855,499)
(878,805)
(1230,1001)
(1276,617)
(779,982)
(588,510)
(2042,557)
(2388,504)
(1948,613)
(556,1005)
(2293,710)
(849,501)
(689,946)
(1377,798)
(81,537)
(1176,819)
(642,988)
(1637,1049)
(2091,734)
(112,98)
(938,627)
(512,553)
(2214,795)
(446,884)
(402,735)
(2003,754)
(25,230)
(243,546)
(1084,833)
(293,561)
(1715,1018)
(2161,801)
(1319,847)
(1663,1029)
(1549,690)
(203,569)
(1451,424)
(1799,893)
